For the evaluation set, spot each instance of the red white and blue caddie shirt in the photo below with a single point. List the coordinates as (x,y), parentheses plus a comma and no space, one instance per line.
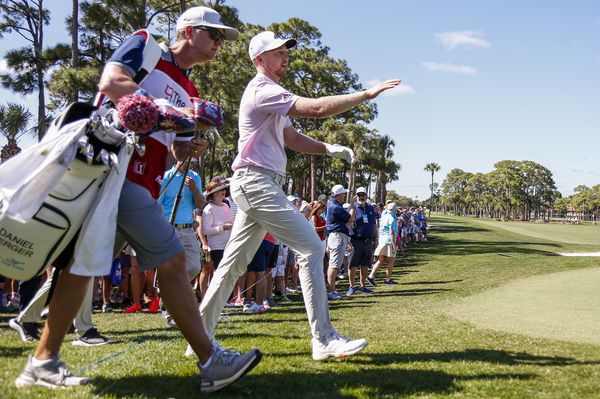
(167,81)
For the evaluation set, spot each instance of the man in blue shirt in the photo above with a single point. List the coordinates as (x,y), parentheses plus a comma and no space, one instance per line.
(363,235)
(337,241)
(191,198)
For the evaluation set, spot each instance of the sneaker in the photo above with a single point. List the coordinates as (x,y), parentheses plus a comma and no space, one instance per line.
(336,346)
(255,307)
(231,304)
(52,374)
(225,367)
(390,282)
(236,302)
(106,308)
(371,281)
(284,298)
(135,308)
(365,290)
(332,296)
(154,305)
(91,338)
(271,302)
(27,331)
(351,291)
(14,304)
(341,276)
(290,291)
(266,304)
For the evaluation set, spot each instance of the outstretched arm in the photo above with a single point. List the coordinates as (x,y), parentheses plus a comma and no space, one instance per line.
(302,143)
(333,105)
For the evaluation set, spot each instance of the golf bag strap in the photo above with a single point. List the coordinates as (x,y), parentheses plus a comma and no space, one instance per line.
(152,54)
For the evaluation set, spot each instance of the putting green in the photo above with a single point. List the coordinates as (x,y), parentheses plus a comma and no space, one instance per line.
(562,306)
(568,233)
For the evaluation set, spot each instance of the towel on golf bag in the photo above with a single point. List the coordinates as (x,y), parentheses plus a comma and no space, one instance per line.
(28,179)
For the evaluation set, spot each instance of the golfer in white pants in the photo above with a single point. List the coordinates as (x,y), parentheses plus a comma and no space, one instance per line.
(259,172)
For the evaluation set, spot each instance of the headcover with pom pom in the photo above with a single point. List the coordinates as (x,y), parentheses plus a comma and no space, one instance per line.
(138,113)
(207,112)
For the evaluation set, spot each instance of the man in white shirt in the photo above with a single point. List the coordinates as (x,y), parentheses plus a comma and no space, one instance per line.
(259,172)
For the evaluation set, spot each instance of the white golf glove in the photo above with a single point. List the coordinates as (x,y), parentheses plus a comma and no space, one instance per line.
(339,151)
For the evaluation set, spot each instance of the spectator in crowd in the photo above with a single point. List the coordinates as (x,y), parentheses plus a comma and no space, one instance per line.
(255,278)
(320,225)
(191,198)
(386,250)
(87,334)
(217,220)
(338,220)
(362,237)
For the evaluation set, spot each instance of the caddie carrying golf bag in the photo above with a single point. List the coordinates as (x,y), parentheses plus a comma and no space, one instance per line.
(47,190)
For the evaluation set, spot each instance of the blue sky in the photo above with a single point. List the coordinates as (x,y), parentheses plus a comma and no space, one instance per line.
(483,81)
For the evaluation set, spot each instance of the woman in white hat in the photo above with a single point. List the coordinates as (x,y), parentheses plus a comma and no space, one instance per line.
(217,220)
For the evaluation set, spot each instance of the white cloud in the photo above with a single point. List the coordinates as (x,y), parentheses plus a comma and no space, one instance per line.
(451,68)
(398,90)
(466,38)
(3,66)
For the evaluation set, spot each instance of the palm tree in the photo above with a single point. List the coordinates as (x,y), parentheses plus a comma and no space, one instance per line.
(14,119)
(431,167)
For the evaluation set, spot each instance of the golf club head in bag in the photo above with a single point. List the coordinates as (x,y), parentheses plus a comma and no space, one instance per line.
(48,189)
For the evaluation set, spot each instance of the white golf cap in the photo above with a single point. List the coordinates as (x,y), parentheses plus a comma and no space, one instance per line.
(266,41)
(391,206)
(204,16)
(361,190)
(338,189)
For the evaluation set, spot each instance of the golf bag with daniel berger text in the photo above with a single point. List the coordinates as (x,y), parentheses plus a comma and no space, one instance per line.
(47,190)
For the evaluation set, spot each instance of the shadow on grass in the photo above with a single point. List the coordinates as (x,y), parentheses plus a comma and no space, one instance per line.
(432,282)
(445,246)
(475,355)
(375,382)
(16,351)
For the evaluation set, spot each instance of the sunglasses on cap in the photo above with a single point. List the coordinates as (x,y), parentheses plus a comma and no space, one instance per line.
(213,33)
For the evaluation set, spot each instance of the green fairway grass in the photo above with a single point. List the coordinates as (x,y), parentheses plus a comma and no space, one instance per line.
(567,233)
(418,348)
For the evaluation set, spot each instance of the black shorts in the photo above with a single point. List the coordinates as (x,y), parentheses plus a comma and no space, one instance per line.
(261,257)
(363,251)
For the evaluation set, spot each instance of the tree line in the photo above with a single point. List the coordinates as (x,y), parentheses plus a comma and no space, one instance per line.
(522,190)
(67,72)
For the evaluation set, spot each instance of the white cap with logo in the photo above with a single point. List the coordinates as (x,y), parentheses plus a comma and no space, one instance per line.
(204,16)
(361,190)
(338,189)
(266,41)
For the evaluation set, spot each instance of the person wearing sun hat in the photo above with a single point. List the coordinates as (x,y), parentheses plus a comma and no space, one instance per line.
(259,172)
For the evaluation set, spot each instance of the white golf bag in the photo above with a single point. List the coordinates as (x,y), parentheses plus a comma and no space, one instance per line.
(47,190)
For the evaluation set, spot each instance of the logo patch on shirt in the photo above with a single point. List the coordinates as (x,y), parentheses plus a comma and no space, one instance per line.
(174,97)
(139,167)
